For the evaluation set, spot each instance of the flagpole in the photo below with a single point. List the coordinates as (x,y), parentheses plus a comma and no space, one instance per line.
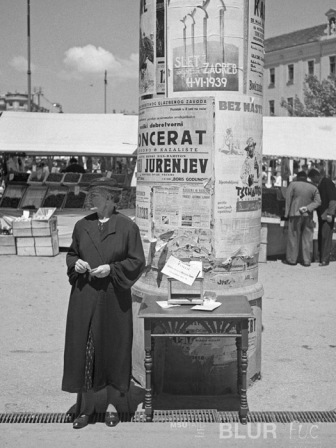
(105,84)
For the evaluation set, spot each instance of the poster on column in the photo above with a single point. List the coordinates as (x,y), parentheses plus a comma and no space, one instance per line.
(143,210)
(238,157)
(181,206)
(160,48)
(175,140)
(147,47)
(183,212)
(206,45)
(256,21)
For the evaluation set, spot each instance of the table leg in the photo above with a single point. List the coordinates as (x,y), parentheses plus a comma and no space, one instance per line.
(239,377)
(148,369)
(244,362)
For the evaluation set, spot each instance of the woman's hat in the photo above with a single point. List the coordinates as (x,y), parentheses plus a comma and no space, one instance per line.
(105,182)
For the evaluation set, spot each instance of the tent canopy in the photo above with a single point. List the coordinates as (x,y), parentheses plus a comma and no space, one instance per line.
(116,135)
(68,134)
(300,137)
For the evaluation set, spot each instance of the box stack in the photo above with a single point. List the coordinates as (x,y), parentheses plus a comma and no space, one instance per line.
(37,236)
(7,245)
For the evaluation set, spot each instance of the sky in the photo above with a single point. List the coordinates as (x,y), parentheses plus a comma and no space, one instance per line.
(74,41)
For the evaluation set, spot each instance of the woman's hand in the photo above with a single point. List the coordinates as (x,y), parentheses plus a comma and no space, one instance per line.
(82,266)
(101,271)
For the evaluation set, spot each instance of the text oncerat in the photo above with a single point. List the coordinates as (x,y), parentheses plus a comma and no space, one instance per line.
(171,138)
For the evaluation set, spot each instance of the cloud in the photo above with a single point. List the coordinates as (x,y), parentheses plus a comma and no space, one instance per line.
(20,64)
(80,61)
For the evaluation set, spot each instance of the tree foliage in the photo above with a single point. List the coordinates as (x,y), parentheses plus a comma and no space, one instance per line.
(319,99)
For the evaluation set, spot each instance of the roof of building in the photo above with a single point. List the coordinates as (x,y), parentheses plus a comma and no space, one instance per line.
(295,38)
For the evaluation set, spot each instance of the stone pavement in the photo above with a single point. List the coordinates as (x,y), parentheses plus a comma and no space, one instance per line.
(298,360)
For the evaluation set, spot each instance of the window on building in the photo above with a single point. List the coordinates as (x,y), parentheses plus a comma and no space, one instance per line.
(21,103)
(272,77)
(290,73)
(271,108)
(311,68)
(290,102)
(332,65)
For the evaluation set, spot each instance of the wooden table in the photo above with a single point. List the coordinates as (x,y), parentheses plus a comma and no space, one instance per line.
(231,319)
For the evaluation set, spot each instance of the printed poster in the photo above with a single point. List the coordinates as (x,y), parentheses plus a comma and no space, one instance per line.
(143,209)
(152,59)
(160,48)
(185,207)
(256,25)
(175,140)
(238,157)
(206,45)
(147,47)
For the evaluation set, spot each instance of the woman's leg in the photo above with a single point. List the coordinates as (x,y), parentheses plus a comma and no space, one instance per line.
(111,415)
(112,396)
(88,403)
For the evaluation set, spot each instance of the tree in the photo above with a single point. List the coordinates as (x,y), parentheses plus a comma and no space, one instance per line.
(319,99)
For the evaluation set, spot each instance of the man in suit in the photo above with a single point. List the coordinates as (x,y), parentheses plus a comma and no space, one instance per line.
(326,213)
(302,198)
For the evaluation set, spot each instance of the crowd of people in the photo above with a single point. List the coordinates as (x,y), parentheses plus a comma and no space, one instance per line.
(309,192)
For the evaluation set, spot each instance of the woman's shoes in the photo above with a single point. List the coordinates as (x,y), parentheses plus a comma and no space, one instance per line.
(81,421)
(111,419)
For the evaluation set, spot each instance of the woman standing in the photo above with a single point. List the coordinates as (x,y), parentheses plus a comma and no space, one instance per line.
(105,259)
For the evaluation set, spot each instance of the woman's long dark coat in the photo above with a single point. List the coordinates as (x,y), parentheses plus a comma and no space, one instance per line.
(104,304)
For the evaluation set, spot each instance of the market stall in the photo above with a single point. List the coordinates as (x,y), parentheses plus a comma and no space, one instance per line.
(111,138)
(291,144)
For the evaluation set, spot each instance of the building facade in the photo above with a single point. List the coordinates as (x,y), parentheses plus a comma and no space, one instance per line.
(18,102)
(290,57)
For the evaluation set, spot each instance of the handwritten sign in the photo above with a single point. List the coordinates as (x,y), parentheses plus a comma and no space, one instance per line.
(183,272)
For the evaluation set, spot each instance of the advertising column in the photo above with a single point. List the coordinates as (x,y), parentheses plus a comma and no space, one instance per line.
(199,163)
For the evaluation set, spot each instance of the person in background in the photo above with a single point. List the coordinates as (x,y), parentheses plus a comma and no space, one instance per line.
(326,213)
(104,260)
(277,177)
(302,198)
(74,166)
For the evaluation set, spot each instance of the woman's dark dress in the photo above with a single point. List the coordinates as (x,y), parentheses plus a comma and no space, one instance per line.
(102,305)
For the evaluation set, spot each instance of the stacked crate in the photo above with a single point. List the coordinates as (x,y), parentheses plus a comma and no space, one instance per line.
(7,245)
(36,237)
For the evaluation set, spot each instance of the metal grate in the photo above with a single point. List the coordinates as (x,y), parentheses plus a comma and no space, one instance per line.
(185,415)
(281,417)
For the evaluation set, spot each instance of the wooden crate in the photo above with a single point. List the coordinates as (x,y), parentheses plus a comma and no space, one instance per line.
(44,228)
(22,228)
(25,246)
(7,245)
(47,246)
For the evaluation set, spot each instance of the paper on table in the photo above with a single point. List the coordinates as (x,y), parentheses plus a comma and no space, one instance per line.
(181,271)
(164,304)
(207,306)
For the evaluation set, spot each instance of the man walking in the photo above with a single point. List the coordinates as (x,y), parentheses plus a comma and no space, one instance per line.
(302,198)
(325,213)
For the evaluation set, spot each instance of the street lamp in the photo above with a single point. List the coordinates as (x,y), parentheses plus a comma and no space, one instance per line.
(28,44)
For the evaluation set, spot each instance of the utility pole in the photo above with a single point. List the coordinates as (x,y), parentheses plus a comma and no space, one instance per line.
(105,84)
(28,42)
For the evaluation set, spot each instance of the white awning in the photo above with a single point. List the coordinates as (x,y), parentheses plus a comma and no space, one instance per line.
(300,137)
(68,134)
(116,135)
